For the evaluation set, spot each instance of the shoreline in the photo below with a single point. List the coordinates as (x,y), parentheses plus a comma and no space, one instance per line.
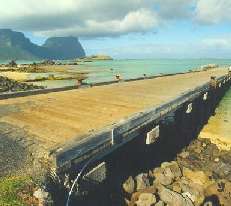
(199,175)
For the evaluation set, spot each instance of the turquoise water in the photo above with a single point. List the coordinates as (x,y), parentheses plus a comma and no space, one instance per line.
(100,71)
(136,68)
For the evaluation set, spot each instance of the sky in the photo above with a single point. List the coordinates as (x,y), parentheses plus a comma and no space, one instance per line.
(128,28)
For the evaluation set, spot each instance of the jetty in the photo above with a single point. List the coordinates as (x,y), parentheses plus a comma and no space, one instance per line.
(75,125)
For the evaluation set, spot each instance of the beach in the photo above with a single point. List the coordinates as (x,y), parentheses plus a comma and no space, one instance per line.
(105,71)
(200,173)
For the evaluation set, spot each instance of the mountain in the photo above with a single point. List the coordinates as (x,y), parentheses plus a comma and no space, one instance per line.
(64,47)
(14,45)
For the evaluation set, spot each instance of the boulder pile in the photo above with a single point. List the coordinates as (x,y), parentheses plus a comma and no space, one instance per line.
(9,85)
(199,176)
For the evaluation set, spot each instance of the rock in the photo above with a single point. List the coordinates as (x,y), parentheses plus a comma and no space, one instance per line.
(135,196)
(189,195)
(198,150)
(7,85)
(222,190)
(126,201)
(142,181)
(216,160)
(159,203)
(221,169)
(146,199)
(129,185)
(193,190)
(163,176)
(204,145)
(184,155)
(198,177)
(212,201)
(176,187)
(42,196)
(174,167)
(173,199)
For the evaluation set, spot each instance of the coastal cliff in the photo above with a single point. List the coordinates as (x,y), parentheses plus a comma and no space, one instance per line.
(64,47)
(14,45)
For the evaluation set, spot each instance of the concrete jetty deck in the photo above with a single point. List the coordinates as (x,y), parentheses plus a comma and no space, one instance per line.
(61,119)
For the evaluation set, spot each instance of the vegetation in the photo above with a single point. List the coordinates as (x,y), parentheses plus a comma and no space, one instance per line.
(12,190)
(53,77)
(14,45)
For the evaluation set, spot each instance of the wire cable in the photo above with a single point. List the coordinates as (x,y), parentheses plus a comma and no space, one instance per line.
(77,179)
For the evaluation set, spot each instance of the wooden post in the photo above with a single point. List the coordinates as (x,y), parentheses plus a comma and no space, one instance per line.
(79,82)
(118,77)
(229,72)
(213,82)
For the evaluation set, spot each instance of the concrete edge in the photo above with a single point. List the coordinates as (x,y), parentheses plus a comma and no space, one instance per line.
(100,141)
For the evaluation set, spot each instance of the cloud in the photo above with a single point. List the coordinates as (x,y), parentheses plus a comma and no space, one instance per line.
(213,11)
(92,18)
(79,17)
(175,9)
(141,20)
(217,43)
(107,18)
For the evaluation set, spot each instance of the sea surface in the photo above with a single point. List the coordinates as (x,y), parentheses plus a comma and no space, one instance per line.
(219,126)
(101,71)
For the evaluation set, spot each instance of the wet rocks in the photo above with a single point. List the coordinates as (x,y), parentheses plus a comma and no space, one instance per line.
(163,176)
(173,198)
(200,176)
(135,196)
(160,203)
(42,196)
(146,199)
(222,190)
(142,181)
(197,177)
(129,185)
(167,173)
(8,85)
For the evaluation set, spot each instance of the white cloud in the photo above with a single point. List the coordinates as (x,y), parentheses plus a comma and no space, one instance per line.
(141,20)
(79,17)
(100,18)
(90,18)
(217,43)
(213,11)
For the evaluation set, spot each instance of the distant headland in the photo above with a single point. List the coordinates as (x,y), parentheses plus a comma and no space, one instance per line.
(14,45)
(95,58)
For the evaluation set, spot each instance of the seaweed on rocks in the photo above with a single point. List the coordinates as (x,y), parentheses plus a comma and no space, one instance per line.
(9,85)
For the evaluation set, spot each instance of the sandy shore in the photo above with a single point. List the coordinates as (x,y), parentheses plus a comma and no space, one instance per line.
(218,129)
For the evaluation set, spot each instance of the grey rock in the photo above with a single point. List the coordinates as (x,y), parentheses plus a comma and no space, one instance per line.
(184,155)
(174,167)
(159,203)
(163,176)
(42,196)
(173,199)
(142,181)
(129,185)
(146,199)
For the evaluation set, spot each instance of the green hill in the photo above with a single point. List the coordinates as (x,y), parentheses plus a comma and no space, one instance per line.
(14,45)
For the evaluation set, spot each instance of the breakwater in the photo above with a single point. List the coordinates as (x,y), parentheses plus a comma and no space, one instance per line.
(149,141)
(87,133)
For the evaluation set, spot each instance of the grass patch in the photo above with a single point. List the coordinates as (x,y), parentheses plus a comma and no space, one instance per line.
(10,188)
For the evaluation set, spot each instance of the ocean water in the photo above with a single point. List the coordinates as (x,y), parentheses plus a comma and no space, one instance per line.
(101,71)
(137,68)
